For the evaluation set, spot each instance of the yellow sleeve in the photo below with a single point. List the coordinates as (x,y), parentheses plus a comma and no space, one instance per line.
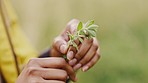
(22,47)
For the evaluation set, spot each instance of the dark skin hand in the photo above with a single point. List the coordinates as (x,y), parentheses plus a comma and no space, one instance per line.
(46,70)
(87,55)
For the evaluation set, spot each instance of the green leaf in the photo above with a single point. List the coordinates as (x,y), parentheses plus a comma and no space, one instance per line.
(65,57)
(81,32)
(86,32)
(89,23)
(93,26)
(93,29)
(69,43)
(80,39)
(82,36)
(70,37)
(75,45)
(80,26)
(92,33)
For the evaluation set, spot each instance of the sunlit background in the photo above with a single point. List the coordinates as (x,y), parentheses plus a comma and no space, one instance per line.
(123,33)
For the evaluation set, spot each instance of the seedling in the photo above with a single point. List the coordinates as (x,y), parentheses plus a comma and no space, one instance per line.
(87,30)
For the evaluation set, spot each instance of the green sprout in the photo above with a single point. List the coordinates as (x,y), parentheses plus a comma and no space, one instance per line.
(87,30)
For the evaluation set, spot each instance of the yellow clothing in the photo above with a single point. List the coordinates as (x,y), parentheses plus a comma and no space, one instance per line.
(22,47)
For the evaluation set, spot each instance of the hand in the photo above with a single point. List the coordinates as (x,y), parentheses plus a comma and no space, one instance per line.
(46,70)
(87,55)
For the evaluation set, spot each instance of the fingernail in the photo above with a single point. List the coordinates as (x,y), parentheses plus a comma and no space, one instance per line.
(85,68)
(63,48)
(72,62)
(70,55)
(76,67)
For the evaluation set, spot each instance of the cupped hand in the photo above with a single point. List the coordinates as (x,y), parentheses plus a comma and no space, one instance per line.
(88,52)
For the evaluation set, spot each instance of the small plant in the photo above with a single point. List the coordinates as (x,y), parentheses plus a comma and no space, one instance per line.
(87,30)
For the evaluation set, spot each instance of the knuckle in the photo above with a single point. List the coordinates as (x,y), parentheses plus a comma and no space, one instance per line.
(31,70)
(32,62)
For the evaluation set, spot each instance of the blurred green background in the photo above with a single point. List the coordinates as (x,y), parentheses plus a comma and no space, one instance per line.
(123,33)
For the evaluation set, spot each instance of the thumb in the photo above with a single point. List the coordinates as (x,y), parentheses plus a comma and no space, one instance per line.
(60,45)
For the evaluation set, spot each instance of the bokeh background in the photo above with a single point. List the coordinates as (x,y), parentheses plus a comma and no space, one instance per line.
(123,33)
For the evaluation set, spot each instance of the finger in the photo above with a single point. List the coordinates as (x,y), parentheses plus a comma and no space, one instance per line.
(76,67)
(52,81)
(91,63)
(54,63)
(70,55)
(71,52)
(51,74)
(90,54)
(60,45)
(84,48)
(71,72)
(72,62)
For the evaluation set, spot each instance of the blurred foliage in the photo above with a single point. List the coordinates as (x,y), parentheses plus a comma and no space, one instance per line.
(123,33)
